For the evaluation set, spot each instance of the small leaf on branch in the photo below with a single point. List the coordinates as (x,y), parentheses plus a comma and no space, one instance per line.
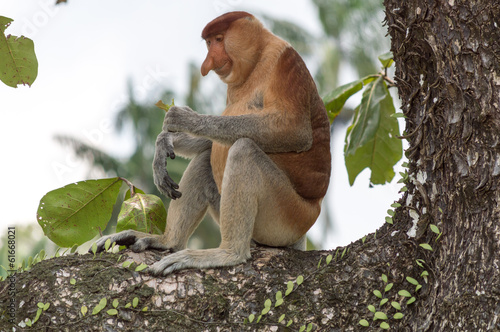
(164,107)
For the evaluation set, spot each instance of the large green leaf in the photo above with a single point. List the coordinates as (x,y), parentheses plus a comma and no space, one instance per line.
(75,213)
(335,100)
(371,141)
(18,63)
(143,212)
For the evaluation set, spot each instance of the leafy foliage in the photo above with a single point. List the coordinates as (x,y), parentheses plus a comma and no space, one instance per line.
(18,63)
(372,139)
(76,212)
(144,213)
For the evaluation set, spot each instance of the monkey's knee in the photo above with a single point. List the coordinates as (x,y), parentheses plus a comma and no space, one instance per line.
(243,150)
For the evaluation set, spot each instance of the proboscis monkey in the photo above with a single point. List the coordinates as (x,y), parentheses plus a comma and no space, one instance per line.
(261,169)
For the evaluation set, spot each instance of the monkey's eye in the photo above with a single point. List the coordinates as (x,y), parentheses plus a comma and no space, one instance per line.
(219,38)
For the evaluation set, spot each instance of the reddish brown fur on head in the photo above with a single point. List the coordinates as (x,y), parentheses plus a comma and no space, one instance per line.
(222,23)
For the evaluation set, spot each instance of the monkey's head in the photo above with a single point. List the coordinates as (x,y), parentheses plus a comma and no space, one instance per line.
(234,41)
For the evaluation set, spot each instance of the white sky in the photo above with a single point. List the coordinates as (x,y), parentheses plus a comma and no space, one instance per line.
(87,51)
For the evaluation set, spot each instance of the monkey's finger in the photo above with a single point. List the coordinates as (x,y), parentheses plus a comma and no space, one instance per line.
(122,239)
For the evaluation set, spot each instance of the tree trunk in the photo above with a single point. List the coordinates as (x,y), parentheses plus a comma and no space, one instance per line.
(447,56)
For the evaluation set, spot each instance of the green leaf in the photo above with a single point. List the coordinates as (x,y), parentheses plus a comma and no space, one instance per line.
(268,303)
(112,312)
(372,308)
(300,280)
(107,244)
(377,293)
(18,63)
(328,259)
(115,303)
(389,220)
(100,306)
(302,328)
(404,293)
(418,288)
(143,212)
(384,326)
(380,315)
(398,315)
(388,287)
(384,278)
(386,59)
(412,281)
(335,100)
(383,301)
(278,302)
(163,106)
(265,311)
(282,317)
(410,301)
(289,323)
(127,264)
(396,305)
(75,213)
(141,267)
(364,323)
(343,253)
(135,302)
(426,246)
(395,205)
(371,141)
(84,310)
(251,318)
(289,288)
(72,281)
(38,314)
(435,229)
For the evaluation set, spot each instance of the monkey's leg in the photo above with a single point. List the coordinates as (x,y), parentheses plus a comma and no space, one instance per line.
(257,200)
(184,214)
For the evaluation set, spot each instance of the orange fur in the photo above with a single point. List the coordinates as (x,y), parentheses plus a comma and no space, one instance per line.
(265,64)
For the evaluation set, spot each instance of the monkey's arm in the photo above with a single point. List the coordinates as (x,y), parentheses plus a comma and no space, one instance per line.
(274,132)
(167,145)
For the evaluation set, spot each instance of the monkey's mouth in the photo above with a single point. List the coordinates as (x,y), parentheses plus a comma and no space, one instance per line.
(223,70)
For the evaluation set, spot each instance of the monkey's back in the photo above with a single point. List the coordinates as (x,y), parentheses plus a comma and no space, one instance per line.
(290,87)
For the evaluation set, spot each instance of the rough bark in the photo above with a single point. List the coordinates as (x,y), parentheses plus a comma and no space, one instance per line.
(447,57)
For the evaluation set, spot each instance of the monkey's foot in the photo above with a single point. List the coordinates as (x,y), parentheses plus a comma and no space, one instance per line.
(197,259)
(134,240)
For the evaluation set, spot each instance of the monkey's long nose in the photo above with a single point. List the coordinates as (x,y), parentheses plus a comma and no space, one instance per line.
(207,65)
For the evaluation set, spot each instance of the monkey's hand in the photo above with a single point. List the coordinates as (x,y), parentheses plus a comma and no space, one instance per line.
(163,181)
(134,240)
(181,119)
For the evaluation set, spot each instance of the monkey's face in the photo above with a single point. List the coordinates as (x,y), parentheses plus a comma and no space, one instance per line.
(217,58)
